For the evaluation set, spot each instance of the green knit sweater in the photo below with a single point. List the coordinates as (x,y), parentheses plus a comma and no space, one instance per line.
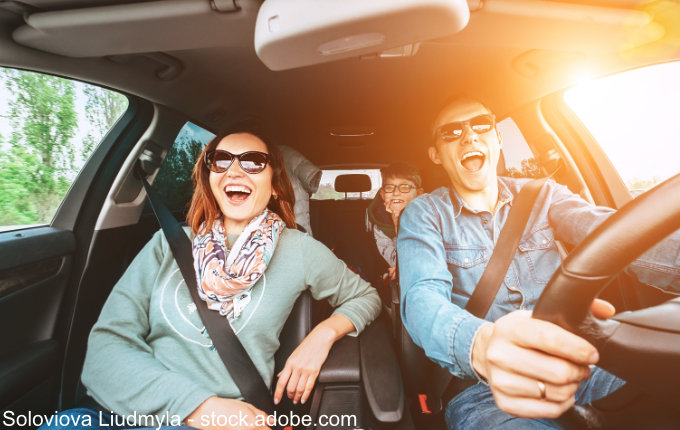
(147,354)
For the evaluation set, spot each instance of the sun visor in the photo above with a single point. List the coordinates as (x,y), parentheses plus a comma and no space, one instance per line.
(297,33)
(154,26)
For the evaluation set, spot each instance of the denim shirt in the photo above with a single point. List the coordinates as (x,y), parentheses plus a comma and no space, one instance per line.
(444,247)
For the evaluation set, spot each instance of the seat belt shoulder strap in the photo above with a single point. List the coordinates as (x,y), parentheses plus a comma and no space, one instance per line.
(485,292)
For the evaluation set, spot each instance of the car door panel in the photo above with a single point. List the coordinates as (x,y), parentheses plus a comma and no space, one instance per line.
(34,270)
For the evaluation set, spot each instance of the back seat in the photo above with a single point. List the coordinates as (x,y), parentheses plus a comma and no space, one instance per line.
(341,224)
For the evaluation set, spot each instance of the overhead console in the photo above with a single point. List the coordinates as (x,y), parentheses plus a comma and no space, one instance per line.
(296,33)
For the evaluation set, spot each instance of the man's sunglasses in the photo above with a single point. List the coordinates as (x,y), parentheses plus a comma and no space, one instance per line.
(404,188)
(454,130)
(252,162)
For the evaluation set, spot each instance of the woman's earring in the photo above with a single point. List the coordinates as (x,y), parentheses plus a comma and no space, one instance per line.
(276,196)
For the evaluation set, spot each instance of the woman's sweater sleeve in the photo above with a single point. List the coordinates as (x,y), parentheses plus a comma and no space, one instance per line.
(120,370)
(328,277)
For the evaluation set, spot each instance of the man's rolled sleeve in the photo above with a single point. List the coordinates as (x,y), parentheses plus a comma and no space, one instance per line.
(445,331)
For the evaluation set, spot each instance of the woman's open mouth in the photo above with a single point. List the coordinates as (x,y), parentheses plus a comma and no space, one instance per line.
(237,194)
(472,161)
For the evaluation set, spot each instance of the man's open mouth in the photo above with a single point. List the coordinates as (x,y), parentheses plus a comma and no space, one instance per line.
(472,161)
(397,201)
(237,194)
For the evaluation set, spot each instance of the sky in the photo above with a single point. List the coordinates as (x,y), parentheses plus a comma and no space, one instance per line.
(634,117)
(515,147)
(191,131)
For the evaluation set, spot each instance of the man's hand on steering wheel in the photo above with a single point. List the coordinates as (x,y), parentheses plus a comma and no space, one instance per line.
(534,367)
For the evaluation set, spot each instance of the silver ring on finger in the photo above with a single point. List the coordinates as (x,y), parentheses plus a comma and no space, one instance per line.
(541,389)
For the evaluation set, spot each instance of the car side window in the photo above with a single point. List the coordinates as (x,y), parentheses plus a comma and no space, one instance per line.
(49,127)
(632,116)
(519,160)
(173,182)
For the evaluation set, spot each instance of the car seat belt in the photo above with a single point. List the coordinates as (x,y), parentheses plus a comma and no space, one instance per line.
(487,288)
(230,349)
(506,247)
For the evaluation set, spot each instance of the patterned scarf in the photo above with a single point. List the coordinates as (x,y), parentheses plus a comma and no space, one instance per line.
(226,279)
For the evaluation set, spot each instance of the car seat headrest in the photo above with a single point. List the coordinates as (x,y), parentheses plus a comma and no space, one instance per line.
(355,183)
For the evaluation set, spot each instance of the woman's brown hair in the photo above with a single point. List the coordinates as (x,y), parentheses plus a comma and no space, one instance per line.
(204,209)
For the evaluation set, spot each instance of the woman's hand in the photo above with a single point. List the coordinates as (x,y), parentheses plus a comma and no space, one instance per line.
(215,412)
(303,366)
(517,352)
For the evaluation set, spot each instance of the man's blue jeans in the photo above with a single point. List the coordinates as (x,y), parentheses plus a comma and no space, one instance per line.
(75,418)
(475,408)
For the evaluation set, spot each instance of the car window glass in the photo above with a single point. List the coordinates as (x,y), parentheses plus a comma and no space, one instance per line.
(632,115)
(327,191)
(173,182)
(49,127)
(519,160)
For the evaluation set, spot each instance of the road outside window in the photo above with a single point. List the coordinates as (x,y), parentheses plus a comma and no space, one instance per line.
(49,127)
(633,116)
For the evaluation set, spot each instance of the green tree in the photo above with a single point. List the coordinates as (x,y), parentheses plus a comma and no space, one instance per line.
(641,184)
(174,183)
(103,108)
(530,168)
(327,192)
(17,179)
(38,161)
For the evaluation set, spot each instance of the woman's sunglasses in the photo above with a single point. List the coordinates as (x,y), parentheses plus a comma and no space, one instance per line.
(404,188)
(454,130)
(252,162)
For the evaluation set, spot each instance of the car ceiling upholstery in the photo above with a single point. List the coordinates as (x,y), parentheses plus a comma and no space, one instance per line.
(504,59)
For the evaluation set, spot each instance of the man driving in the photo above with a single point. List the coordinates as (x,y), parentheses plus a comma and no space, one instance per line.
(530,369)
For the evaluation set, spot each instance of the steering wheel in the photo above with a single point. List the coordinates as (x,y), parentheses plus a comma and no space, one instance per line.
(641,347)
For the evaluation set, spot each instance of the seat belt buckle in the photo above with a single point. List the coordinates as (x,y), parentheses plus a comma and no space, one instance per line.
(424,408)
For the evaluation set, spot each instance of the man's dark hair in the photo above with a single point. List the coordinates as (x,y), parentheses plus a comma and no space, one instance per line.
(402,170)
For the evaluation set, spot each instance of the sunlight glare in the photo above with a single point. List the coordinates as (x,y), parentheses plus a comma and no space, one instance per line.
(632,116)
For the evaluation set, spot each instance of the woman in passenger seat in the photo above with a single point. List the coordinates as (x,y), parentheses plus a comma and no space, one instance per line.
(149,353)
(401,184)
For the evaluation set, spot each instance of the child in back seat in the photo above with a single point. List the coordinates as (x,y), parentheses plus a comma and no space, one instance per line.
(401,183)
